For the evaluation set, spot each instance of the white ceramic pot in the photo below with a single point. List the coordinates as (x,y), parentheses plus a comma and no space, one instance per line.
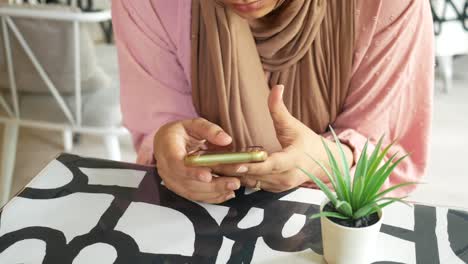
(345,245)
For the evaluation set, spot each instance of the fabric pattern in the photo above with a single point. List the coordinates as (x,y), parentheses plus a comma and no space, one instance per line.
(81,210)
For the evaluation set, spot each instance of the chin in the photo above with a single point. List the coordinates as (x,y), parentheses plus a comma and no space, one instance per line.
(253,15)
(258,8)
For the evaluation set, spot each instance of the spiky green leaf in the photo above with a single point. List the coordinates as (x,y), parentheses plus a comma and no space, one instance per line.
(379,159)
(391,201)
(365,210)
(344,208)
(344,161)
(373,156)
(380,179)
(359,177)
(322,186)
(329,214)
(340,182)
(363,196)
(391,189)
(372,186)
(400,200)
(329,175)
(361,165)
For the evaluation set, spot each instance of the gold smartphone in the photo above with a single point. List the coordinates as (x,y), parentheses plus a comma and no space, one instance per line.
(206,158)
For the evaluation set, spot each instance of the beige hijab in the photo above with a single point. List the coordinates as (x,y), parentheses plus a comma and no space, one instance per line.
(307,45)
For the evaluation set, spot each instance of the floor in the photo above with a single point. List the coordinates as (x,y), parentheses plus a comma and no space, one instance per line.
(446,184)
(447,180)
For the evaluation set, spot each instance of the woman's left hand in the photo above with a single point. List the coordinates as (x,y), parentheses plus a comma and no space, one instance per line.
(280,171)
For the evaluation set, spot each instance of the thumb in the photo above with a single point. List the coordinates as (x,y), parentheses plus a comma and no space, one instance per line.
(279,113)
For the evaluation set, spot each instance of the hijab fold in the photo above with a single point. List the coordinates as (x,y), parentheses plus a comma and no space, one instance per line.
(307,45)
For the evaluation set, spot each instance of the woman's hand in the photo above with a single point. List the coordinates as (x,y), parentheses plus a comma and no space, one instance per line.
(173,142)
(279,172)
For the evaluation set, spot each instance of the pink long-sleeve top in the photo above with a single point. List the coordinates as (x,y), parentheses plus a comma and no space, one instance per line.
(390,90)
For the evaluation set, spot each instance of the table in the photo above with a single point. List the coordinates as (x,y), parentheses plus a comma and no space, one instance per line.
(80,210)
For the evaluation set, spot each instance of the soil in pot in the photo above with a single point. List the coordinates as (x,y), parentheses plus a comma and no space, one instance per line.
(358,223)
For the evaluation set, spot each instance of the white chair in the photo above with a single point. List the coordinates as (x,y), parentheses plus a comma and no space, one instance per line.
(451,35)
(54,80)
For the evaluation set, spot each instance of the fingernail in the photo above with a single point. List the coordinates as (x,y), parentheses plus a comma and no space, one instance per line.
(222,134)
(242,169)
(233,186)
(231,196)
(281,90)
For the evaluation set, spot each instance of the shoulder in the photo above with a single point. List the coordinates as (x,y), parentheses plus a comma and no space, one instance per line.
(382,24)
(381,14)
(387,18)
(163,19)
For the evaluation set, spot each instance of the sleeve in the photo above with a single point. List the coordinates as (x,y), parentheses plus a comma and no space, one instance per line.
(154,89)
(392,85)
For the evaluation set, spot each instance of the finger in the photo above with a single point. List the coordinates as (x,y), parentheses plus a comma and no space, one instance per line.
(219,185)
(264,185)
(279,113)
(175,167)
(204,129)
(230,169)
(220,199)
(248,182)
(194,145)
(276,163)
(207,197)
(210,197)
(280,182)
(200,174)
(174,163)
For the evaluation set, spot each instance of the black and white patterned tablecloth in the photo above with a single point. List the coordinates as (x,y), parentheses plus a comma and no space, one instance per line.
(81,210)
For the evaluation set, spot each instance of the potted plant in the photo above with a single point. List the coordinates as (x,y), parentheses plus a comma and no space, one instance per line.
(351,216)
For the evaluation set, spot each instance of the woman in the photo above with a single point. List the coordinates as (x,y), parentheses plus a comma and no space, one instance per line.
(274,73)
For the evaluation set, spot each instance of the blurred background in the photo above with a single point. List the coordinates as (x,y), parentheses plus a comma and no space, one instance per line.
(65,93)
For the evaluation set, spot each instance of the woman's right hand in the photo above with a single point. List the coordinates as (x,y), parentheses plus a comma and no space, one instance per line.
(173,142)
